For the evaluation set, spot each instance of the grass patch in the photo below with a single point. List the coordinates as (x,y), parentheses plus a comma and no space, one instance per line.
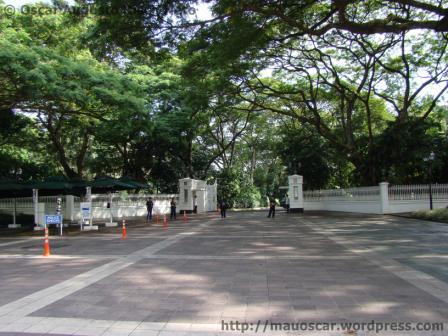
(438,215)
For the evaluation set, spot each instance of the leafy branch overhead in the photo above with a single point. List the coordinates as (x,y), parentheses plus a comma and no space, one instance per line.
(242,92)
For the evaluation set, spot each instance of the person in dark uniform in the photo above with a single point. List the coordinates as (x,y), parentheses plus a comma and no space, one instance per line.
(173,208)
(149,206)
(223,207)
(271,208)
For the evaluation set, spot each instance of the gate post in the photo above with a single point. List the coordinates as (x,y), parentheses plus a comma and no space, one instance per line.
(384,197)
(295,193)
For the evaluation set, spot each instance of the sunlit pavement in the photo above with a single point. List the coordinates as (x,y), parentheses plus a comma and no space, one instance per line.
(200,276)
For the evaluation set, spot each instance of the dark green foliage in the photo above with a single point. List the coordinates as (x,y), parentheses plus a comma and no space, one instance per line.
(263,90)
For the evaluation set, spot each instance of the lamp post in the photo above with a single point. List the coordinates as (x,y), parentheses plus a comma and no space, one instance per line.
(430,159)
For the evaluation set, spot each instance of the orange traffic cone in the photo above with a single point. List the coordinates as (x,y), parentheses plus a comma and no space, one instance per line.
(46,244)
(165,222)
(185,217)
(123,232)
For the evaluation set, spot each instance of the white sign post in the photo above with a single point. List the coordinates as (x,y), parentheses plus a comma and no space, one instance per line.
(85,213)
(53,219)
(58,212)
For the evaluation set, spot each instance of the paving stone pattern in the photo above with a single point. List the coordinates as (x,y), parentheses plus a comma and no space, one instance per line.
(317,267)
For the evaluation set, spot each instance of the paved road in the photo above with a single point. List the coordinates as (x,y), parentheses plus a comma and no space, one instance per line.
(203,276)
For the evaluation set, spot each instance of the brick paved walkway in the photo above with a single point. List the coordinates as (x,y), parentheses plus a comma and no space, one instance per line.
(190,278)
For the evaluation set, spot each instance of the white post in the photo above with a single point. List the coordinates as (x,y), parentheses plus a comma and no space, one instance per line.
(200,200)
(384,197)
(111,215)
(89,200)
(295,193)
(70,207)
(14,224)
(36,207)
(41,216)
(14,221)
(110,209)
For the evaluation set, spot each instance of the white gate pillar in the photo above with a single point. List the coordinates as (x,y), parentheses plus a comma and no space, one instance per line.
(185,195)
(384,195)
(210,198)
(69,208)
(295,193)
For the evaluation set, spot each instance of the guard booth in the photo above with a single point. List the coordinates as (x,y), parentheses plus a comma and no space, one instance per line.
(204,194)
(295,193)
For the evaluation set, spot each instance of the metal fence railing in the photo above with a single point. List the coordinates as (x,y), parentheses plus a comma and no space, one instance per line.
(22,203)
(418,192)
(349,194)
(395,193)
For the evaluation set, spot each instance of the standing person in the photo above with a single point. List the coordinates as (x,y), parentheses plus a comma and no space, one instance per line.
(287,203)
(223,207)
(173,208)
(149,207)
(271,208)
(195,203)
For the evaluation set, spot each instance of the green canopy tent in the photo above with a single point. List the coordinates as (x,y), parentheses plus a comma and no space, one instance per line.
(58,186)
(52,188)
(11,189)
(61,186)
(108,184)
(136,184)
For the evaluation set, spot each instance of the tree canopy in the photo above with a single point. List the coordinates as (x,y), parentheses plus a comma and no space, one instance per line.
(345,93)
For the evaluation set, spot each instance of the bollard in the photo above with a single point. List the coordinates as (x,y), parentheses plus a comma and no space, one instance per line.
(46,244)
(157,218)
(123,231)
(185,218)
(165,222)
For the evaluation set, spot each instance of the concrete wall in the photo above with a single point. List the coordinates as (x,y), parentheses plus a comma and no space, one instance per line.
(161,207)
(414,205)
(372,207)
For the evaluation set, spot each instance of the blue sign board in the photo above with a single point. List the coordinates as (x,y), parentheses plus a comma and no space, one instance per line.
(53,219)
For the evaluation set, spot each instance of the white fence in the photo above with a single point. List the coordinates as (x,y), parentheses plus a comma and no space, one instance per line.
(24,205)
(123,206)
(381,199)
